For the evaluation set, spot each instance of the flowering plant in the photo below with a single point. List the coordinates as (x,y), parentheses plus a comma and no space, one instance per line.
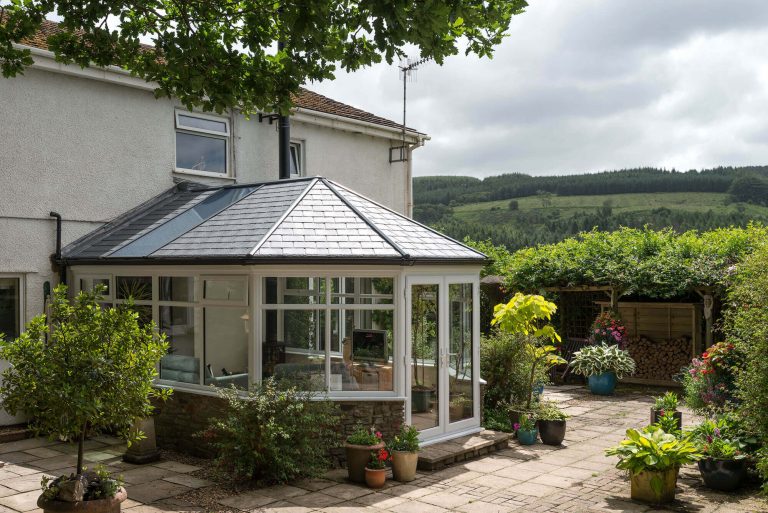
(709,381)
(608,329)
(363,436)
(527,423)
(723,438)
(378,459)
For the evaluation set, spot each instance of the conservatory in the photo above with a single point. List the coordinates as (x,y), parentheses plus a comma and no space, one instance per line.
(298,279)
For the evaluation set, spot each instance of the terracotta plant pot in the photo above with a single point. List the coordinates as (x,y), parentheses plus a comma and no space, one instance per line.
(552,432)
(642,489)
(358,457)
(656,415)
(111,505)
(404,465)
(375,477)
(723,475)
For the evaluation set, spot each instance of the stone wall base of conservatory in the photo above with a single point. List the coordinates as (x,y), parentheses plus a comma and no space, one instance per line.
(183,415)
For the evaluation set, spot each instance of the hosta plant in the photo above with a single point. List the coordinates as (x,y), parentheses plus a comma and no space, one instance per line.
(595,360)
(653,450)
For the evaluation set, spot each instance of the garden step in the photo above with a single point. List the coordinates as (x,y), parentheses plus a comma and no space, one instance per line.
(440,455)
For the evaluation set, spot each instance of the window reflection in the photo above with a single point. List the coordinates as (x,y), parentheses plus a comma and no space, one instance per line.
(201,153)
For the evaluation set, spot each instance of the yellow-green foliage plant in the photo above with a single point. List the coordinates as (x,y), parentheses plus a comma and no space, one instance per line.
(530,315)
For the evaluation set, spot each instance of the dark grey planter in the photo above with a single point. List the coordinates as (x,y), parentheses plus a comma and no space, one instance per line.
(723,475)
(552,432)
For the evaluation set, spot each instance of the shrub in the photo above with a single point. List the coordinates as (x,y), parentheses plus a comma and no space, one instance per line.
(746,325)
(497,419)
(710,381)
(505,365)
(275,434)
(595,360)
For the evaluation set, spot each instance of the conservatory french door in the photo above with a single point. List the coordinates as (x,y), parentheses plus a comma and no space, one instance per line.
(442,344)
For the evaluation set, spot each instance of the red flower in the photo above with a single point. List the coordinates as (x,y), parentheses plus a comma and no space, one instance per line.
(383,455)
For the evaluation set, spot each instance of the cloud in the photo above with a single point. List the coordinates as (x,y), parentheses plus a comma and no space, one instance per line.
(589,85)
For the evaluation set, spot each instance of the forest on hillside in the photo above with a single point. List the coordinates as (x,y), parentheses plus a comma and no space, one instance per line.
(518,210)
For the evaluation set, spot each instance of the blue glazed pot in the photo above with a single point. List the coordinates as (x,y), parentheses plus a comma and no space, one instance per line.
(526,437)
(538,390)
(602,384)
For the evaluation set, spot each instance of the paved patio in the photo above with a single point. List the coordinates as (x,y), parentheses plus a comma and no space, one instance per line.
(573,478)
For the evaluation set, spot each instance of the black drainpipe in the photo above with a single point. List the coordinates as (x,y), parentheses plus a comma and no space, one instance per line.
(56,257)
(284,139)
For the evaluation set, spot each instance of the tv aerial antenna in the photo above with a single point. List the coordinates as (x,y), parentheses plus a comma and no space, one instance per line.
(407,71)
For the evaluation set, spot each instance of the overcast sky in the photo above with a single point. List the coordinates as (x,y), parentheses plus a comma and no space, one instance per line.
(589,85)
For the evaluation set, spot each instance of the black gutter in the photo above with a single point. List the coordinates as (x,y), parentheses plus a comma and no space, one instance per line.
(56,257)
(406,258)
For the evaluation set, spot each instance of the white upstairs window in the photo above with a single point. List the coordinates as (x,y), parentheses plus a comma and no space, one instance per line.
(297,159)
(202,143)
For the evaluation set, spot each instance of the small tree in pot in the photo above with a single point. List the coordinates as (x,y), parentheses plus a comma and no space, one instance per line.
(529,315)
(84,370)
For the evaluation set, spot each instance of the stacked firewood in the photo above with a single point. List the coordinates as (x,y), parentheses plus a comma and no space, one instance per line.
(659,360)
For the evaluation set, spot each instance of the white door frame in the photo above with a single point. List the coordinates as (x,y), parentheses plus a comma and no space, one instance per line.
(444,429)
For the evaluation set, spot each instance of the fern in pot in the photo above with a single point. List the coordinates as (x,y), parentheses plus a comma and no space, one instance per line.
(602,365)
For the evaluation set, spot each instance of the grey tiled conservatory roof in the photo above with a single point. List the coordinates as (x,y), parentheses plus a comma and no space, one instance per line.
(305,219)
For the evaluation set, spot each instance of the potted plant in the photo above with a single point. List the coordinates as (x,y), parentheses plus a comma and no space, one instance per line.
(608,329)
(526,430)
(424,346)
(724,464)
(551,421)
(376,470)
(458,406)
(602,364)
(358,448)
(653,458)
(529,315)
(82,370)
(664,404)
(404,453)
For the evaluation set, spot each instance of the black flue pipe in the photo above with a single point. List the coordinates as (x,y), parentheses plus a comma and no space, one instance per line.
(57,255)
(284,145)
(284,139)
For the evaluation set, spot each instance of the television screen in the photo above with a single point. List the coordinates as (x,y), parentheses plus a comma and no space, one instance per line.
(369,345)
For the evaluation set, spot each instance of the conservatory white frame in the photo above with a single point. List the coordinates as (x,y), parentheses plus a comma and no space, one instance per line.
(255,274)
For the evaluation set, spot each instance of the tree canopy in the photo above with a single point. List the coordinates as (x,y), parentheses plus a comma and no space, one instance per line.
(217,55)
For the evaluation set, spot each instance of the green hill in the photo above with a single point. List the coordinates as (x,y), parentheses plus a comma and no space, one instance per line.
(544,216)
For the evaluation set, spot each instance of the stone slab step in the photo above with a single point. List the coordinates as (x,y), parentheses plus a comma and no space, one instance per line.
(440,455)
